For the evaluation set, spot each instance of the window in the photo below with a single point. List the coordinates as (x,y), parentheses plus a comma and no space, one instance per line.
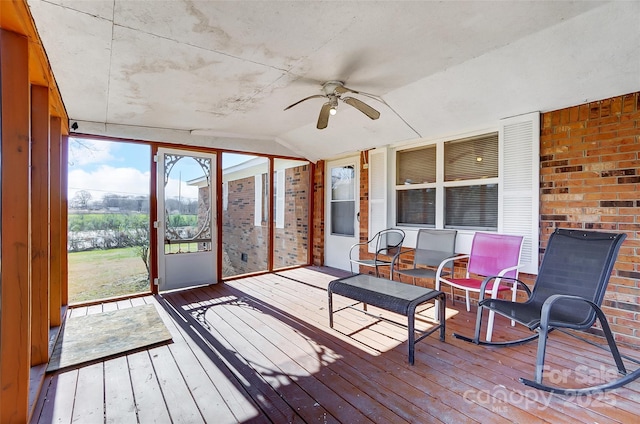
(488,182)
(461,187)
(416,182)
(471,183)
(343,202)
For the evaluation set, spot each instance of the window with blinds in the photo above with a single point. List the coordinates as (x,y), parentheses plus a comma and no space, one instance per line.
(489,182)
(472,163)
(416,166)
(466,176)
(473,207)
(471,158)
(417,207)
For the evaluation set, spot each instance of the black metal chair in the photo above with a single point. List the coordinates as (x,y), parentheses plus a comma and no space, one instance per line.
(384,244)
(567,294)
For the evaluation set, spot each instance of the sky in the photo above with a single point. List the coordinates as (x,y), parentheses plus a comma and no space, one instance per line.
(103,167)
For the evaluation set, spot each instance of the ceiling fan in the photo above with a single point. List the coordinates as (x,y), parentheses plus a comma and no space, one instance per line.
(333,91)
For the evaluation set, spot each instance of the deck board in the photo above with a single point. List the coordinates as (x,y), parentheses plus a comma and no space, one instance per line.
(119,400)
(89,401)
(259,350)
(150,404)
(57,398)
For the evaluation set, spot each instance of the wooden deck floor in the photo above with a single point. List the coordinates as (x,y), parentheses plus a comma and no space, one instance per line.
(259,350)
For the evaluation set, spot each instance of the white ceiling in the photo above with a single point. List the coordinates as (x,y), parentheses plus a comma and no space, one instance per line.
(220,73)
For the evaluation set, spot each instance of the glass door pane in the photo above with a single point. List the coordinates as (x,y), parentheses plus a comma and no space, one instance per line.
(291,179)
(108,219)
(246,188)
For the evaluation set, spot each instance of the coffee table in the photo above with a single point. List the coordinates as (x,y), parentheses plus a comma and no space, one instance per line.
(392,296)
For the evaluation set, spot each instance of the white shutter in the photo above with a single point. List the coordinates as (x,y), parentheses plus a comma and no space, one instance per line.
(377,192)
(225,195)
(520,183)
(280,198)
(257,217)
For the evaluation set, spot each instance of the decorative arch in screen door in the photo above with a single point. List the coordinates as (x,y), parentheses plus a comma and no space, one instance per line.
(186,219)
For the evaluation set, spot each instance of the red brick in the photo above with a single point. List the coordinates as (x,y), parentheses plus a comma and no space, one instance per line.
(616,105)
(603,121)
(605,108)
(629,103)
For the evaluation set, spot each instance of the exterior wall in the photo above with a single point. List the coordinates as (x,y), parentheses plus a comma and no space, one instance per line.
(290,244)
(590,179)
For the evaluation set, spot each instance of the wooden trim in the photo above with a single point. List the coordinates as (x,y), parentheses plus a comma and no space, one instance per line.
(153,217)
(39,225)
(64,212)
(272,219)
(310,213)
(219,216)
(15,349)
(56,254)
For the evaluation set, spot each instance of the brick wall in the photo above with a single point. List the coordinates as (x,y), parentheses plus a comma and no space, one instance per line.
(590,179)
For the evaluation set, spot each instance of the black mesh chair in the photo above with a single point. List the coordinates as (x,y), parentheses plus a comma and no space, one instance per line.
(567,294)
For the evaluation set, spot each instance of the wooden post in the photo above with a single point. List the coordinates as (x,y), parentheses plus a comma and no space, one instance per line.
(15,331)
(39,225)
(55,293)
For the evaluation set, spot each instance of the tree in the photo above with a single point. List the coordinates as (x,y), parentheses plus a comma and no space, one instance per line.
(81,199)
(141,244)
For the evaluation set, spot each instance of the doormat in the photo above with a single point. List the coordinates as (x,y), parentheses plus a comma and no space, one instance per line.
(90,338)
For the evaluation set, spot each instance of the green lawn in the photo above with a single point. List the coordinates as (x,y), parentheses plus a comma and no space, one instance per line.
(100,274)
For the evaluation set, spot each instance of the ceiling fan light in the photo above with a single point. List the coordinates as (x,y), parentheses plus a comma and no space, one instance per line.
(333,110)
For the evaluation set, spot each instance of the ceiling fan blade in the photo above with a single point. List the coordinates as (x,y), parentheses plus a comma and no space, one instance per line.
(362,107)
(306,98)
(323,119)
(341,89)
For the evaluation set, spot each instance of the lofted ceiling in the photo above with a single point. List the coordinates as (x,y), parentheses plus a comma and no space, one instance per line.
(221,73)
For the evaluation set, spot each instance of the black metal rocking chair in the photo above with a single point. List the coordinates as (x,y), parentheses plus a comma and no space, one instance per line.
(568,292)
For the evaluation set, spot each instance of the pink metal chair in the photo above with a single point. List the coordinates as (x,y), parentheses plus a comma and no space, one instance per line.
(491,255)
